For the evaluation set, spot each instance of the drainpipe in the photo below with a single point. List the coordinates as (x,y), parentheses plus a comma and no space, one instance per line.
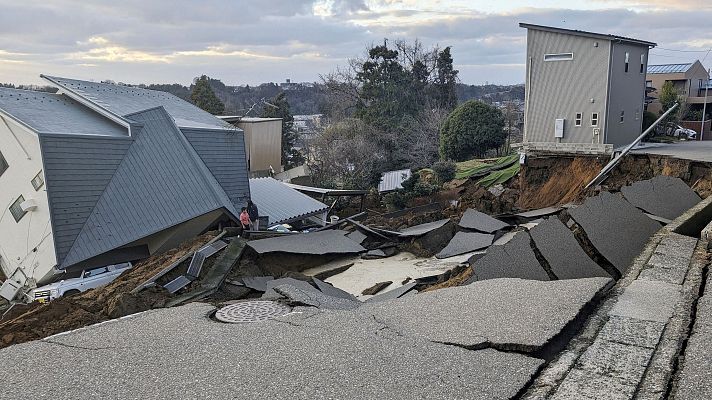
(704,107)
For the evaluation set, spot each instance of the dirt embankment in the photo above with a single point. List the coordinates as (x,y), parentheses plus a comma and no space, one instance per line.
(36,321)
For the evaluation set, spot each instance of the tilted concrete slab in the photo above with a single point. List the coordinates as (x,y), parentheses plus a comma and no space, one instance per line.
(270,285)
(618,230)
(392,294)
(513,314)
(663,196)
(332,291)
(465,242)
(696,374)
(562,251)
(647,300)
(671,259)
(479,221)
(514,259)
(315,243)
(180,353)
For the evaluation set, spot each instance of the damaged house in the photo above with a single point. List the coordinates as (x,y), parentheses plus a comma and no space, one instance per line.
(98,174)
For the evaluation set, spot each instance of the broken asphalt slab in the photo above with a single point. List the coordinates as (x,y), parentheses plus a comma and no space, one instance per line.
(315,243)
(270,293)
(616,229)
(561,250)
(514,259)
(393,294)
(475,220)
(329,354)
(422,229)
(298,296)
(332,291)
(465,242)
(663,196)
(508,314)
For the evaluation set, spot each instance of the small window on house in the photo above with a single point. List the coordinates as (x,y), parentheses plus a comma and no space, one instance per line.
(16,209)
(642,63)
(38,181)
(3,164)
(559,57)
(579,117)
(622,116)
(627,60)
(594,119)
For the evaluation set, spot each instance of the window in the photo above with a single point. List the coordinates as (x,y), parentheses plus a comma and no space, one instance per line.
(627,60)
(594,119)
(649,84)
(16,210)
(642,63)
(622,116)
(3,164)
(637,115)
(579,117)
(559,57)
(37,181)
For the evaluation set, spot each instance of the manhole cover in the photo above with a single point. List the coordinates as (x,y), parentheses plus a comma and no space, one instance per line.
(251,311)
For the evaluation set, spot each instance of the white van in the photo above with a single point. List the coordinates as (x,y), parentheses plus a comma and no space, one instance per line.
(89,279)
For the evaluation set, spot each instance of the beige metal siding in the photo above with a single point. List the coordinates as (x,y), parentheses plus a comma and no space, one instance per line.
(263,141)
(627,94)
(560,89)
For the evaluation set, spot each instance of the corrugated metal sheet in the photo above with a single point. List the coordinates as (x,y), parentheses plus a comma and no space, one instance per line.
(669,68)
(393,180)
(223,152)
(47,112)
(160,183)
(282,203)
(124,100)
(77,170)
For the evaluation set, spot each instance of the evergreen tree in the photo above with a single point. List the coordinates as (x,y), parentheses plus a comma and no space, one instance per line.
(204,97)
(445,81)
(278,107)
(472,129)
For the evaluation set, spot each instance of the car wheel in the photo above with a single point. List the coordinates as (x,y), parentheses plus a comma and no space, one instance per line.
(72,292)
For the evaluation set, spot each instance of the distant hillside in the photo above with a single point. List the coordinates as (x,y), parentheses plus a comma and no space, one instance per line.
(303,98)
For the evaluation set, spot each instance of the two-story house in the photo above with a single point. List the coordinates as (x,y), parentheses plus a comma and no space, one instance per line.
(584,90)
(690,81)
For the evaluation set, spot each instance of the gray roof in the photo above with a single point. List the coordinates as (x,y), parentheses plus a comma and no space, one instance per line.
(124,100)
(282,203)
(159,183)
(393,180)
(669,68)
(594,35)
(55,113)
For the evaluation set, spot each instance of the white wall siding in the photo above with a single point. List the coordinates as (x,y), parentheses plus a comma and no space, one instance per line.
(560,89)
(28,243)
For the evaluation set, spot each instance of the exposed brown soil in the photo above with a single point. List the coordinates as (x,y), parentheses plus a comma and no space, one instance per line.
(456,280)
(36,321)
(546,182)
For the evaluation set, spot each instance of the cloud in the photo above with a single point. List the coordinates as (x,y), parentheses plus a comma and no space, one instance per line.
(242,41)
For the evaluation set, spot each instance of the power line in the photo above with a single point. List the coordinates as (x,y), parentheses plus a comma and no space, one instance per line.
(683,51)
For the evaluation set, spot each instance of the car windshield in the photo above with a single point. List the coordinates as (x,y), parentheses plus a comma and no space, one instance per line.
(94,272)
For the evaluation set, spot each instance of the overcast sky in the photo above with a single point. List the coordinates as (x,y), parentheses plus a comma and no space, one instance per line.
(240,41)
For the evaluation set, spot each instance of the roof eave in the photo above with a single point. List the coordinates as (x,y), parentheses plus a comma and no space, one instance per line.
(587,34)
(63,89)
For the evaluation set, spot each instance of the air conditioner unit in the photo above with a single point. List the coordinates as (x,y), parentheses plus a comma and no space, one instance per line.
(29,205)
(596,131)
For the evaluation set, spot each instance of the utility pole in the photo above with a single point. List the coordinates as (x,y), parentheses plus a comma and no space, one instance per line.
(704,107)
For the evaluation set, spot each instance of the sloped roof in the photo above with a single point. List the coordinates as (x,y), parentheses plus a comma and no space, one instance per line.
(282,203)
(392,180)
(669,68)
(595,35)
(124,100)
(159,183)
(55,113)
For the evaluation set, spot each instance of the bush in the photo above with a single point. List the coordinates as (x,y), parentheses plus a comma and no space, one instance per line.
(648,119)
(445,170)
(471,130)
